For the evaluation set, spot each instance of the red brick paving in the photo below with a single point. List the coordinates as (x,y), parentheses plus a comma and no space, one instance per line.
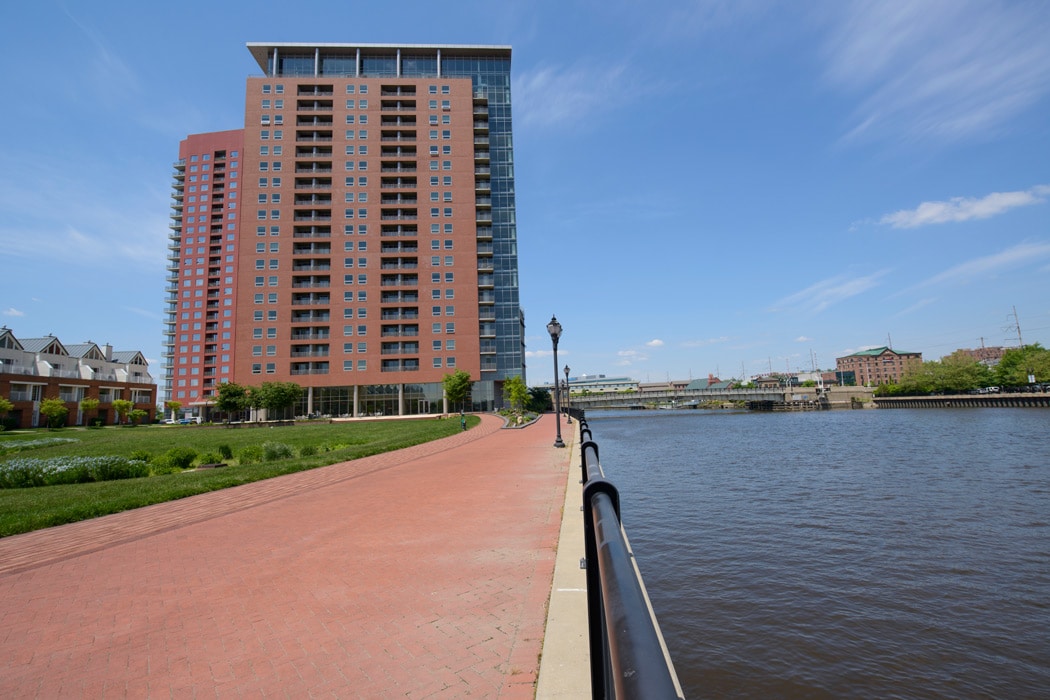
(422,573)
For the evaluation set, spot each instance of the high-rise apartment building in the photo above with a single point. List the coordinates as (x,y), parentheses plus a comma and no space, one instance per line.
(368,211)
(200,323)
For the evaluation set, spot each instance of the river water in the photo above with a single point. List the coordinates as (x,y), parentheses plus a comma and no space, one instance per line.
(870,553)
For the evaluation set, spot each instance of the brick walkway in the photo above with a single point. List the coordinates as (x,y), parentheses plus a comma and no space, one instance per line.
(422,573)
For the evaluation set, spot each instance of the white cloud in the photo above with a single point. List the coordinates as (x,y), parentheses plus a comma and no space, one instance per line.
(922,303)
(12,311)
(655,343)
(630,357)
(990,264)
(959,209)
(803,339)
(943,69)
(820,296)
(705,342)
(558,96)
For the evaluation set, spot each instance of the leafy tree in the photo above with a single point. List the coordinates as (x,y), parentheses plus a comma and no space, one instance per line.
(54,409)
(172,407)
(539,400)
(137,414)
(87,406)
(232,398)
(515,391)
(961,372)
(123,408)
(457,387)
(276,397)
(1017,363)
(5,408)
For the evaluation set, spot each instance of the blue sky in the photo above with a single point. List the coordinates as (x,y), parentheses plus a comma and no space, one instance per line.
(702,187)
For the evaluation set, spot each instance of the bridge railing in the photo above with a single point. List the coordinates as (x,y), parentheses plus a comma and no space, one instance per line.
(628,656)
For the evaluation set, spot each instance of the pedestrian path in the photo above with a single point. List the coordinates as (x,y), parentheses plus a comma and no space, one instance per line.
(421,573)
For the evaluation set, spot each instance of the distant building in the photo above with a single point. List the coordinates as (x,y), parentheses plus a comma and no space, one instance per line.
(34,369)
(598,384)
(711,382)
(986,356)
(876,366)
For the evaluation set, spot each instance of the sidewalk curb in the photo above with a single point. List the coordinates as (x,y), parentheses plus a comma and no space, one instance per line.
(565,660)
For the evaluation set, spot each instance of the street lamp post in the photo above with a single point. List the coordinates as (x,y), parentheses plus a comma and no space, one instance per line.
(568,398)
(554,328)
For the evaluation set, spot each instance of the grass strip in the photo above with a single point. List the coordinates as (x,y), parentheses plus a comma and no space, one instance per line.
(24,510)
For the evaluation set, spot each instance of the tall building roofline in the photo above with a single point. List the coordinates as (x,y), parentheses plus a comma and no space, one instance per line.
(260,49)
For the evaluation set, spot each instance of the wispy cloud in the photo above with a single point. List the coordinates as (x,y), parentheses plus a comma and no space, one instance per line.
(549,96)
(1013,257)
(79,221)
(826,293)
(655,343)
(922,303)
(803,339)
(944,69)
(630,357)
(12,311)
(959,209)
(705,342)
(109,76)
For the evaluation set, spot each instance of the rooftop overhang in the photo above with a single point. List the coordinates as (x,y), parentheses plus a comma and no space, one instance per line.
(260,50)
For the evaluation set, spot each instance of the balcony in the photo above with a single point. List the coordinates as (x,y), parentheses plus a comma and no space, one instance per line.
(313,168)
(319,334)
(313,136)
(313,106)
(394,167)
(315,91)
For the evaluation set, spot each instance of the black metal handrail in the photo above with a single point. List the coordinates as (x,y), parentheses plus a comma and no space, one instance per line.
(628,656)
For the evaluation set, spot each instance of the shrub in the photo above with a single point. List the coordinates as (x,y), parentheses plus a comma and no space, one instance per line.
(25,473)
(225,451)
(181,457)
(307,451)
(273,451)
(141,456)
(210,458)
(252,454)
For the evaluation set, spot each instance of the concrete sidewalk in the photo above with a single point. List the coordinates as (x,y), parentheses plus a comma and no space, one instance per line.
(422,573)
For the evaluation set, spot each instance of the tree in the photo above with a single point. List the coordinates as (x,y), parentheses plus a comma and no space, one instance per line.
(276,396)
(87,406)
(457,387)
(1018,363)
(5,408)
(123,407)
(232,398)
(516,392)
(539,400)
(137,414)
(172,407)
(54,409)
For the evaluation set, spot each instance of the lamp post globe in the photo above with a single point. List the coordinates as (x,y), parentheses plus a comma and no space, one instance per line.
(554,328)
(568,398)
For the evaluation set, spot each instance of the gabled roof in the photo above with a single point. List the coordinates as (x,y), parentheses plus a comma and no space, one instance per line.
(707,383)
(48,345)
(129,357)
(86,351)
(8,340)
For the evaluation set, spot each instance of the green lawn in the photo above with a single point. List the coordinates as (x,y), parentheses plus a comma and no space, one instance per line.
(22,510)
